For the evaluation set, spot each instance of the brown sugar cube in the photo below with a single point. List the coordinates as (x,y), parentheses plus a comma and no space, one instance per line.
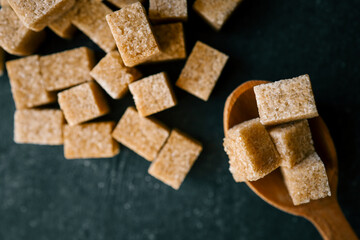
(252,154)
(63,26)
(307,180)
(285,101)
(293,141)
(26,83)
(36,14)
(202,71)
(4,3)
(1,61)
(167,10)
(113,76)
(171,41)
(133,35)
(144,136)
(152,94)
(123,3)
(90,140)
(215,12)
(83,103)
(15,38)
(66,69)
(175,159)
(39,126)
(89,17)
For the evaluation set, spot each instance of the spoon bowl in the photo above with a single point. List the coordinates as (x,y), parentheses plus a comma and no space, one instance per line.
(324,213)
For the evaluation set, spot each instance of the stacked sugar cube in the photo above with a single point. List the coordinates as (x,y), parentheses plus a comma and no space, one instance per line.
(22,22)
(280,137)
(171,152)
(34,82)
(79,85)
(22,25)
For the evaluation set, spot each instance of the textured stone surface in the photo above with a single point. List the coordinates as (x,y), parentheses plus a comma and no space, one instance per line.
(43,196)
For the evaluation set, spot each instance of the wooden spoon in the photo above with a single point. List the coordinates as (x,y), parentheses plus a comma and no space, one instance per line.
(325,213)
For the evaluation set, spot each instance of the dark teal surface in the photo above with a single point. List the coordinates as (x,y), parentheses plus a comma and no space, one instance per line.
(44,196)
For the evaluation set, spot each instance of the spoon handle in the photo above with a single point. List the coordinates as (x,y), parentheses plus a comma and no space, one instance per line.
(331,222)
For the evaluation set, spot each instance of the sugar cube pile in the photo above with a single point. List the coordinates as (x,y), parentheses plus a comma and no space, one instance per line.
(280,137)
(130,37)
(84,88)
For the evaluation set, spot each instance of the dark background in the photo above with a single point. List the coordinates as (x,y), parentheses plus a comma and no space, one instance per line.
(44,196)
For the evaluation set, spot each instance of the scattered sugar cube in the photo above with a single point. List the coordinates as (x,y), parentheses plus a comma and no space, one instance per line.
(133,35)
(251,152)
(152,94)
(15,37)
(285,100)
(66,69)
(171,42)
(83,103)
(123,3)
(144,136)
(307,180)
(26,83)
(90,140)
(202,70)
(39,126)
(63,26)
(113,76)
(293,141)
(215,12)
(175,159)
(36,14)
(167,10)
(89,17)
(1,61)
